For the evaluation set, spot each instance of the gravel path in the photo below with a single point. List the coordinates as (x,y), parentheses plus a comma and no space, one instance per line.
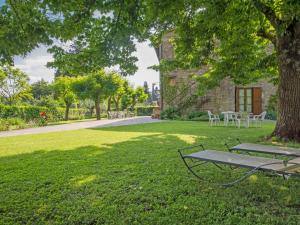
(81,125)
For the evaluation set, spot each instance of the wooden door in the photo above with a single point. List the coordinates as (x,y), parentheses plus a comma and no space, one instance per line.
(257,100)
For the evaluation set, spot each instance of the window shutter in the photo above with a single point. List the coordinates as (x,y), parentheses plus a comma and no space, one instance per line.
(257,101)
(237,104)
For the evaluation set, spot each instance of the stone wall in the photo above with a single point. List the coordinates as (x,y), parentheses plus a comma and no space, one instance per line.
(221,98)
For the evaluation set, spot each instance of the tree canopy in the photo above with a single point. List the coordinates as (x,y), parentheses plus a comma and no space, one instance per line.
(14,85)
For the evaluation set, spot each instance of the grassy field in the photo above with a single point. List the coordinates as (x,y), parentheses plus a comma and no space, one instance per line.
(133,175)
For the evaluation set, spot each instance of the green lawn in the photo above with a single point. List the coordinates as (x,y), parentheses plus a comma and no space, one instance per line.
(133,175)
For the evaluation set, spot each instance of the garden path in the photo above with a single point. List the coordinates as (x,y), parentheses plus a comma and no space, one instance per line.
(80,125)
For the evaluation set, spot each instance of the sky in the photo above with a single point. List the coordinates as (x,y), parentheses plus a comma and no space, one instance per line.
(34,64)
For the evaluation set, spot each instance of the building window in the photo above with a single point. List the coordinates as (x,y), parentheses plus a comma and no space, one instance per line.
(248,100)
(245,99)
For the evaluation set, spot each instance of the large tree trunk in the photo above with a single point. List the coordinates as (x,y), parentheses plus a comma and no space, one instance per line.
(97,106)
(288,122)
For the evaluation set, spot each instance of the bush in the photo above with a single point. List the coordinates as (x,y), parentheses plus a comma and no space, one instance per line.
(170,113)
(32,113)
(195,114)
(4,125)
(271,116)
(7,124)
(26,113)
(200,118)
(145,110)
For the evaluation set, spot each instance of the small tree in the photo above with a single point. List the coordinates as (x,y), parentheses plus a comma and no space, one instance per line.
(138,96)
(133,96)
(63,89)
(126,99)
(93,86)
(116,88)
(14,85)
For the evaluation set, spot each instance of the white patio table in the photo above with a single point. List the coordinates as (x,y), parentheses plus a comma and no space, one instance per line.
(228,116)
(236,118)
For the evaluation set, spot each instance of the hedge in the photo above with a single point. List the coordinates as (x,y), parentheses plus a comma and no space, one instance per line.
(29,113)
(145,110)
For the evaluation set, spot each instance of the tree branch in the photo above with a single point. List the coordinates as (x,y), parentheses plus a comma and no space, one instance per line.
(268,12)
(264,34)
(16,14)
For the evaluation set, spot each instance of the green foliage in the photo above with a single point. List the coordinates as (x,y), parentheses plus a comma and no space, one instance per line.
(11,123)
(47,101)
(273,103)
(27,113)
(94,85)
(170,113)
(63,89)
(41,89)
(144,110)
(127,98)
(139,96)
(97,86)
(134,175)
(116,88)
(197,116)
(271,115)
(14,85)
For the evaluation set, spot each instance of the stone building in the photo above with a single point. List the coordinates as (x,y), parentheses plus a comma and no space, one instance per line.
(179,90)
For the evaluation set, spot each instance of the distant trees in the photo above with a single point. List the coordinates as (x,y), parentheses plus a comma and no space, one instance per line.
(91,89)
(41,89)
(14,85)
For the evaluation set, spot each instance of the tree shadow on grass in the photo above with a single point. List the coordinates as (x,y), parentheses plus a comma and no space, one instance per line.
(141,180)
(191,128)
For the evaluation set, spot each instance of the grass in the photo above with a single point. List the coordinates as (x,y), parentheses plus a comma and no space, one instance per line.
(133,175)
(71,121)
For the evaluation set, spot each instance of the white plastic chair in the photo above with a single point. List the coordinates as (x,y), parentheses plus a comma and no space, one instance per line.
(213,119)
(258,119)
(238,117)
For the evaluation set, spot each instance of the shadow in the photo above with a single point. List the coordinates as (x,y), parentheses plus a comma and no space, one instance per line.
(141,180)
(198,132)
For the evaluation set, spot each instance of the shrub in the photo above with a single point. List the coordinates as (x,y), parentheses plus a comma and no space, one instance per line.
(273,103)
(271,115)
(16,121)
(170,113)
(7,124)
(195,114)
(145,110)
(4,125)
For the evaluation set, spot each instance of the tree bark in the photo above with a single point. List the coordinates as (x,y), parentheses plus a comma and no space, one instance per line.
(116,101)
(91,111)
(97,106)
(288,48)
(108,104)
(67,112)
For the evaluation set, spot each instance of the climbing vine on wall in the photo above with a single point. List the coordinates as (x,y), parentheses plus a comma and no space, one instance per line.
(181,94)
